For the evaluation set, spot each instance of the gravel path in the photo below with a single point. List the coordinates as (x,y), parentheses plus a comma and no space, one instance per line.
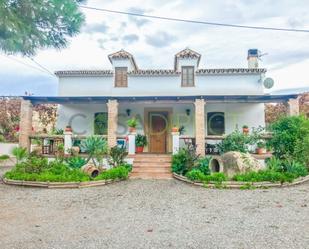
(153,214)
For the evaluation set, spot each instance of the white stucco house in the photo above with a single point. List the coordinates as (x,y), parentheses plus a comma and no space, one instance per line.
(205,102)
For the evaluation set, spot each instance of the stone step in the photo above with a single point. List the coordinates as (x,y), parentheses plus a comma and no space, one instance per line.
(152,165)
(150,170)
(151,176)
(152,160)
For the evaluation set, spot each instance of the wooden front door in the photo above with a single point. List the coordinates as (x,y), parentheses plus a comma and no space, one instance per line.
(158,124)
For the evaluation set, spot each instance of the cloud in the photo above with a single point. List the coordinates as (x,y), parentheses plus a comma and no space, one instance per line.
(281,59)
(160,39)
(139,21)
(129,39)
(18,84)
(95,28)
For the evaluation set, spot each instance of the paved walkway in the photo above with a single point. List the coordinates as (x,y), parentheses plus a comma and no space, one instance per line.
(153,214)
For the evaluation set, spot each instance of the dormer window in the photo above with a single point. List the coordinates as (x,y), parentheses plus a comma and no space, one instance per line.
(187,76)
(121,77)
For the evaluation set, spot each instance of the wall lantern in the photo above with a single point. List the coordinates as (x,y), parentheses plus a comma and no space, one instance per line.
(188,111)
(128,111)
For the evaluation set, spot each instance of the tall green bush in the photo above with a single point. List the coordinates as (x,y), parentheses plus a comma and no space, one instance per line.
(290,139)
(184,160)
(236,141)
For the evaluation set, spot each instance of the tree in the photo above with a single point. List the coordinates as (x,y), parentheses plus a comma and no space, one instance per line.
(28,25)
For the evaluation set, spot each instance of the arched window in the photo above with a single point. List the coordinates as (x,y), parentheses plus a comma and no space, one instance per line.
(215,123)
(100,123)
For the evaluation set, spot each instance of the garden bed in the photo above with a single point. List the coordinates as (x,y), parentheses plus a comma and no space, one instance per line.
(241,185)
(59,184)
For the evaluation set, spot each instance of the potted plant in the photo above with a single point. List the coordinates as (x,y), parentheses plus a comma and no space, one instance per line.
(181,130)
(261,147)
(132,123)
(75,148)
(175,128)
(140,143)
(245,129)
(68,128)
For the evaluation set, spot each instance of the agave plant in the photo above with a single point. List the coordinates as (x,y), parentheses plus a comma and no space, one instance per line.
(96,147)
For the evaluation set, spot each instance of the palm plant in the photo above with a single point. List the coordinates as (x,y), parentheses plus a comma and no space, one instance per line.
(20,153)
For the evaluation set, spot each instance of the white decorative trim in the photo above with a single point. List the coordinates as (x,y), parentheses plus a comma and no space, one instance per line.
(159,72)
(90,73)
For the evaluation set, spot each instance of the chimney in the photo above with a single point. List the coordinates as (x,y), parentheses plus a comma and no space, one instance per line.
(253,55)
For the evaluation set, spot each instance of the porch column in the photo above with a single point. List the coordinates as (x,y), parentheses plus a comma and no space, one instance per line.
(293,107)
(112,108)
(200,126)
(131,147)
(25,124)
(67,142)
(175,136)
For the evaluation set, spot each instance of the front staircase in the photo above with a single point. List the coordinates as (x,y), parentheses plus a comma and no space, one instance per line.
(151,166)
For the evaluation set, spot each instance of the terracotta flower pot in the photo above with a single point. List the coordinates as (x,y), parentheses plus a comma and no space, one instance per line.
(132,129)
(68,129)
(245,130)
(75,150)
(260,151)
(175,129)
(90,170)
(139,149)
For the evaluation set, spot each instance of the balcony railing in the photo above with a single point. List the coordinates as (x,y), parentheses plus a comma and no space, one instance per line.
(212,140)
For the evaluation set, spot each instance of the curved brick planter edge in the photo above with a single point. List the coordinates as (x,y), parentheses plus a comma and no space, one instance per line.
(58,184)
(238,185)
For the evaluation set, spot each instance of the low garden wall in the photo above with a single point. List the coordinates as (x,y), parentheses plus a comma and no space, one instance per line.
(6,148)
(241,185)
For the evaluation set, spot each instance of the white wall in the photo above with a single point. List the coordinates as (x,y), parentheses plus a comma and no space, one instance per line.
(81,116)
(238,114)
(161,86)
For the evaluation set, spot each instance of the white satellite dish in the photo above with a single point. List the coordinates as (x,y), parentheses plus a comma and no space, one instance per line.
(268,83)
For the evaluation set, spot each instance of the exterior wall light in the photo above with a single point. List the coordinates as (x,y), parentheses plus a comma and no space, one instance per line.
(128,111)
(188,111)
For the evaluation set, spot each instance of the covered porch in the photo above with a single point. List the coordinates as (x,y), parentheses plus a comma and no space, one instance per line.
(204,119)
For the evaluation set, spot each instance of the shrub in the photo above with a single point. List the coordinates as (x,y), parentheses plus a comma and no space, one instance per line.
(195,175)
(33,165)
(296,168)
(203,165)
(184,160)
(117,155)
(55,171)
(290,139)
(265,175)
(114,173)
(76,162)
(275,164)
(215,177)
(236,141)
(128,166)
(4,157)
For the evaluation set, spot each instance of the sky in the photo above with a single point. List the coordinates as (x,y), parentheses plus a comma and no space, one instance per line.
(155,42)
